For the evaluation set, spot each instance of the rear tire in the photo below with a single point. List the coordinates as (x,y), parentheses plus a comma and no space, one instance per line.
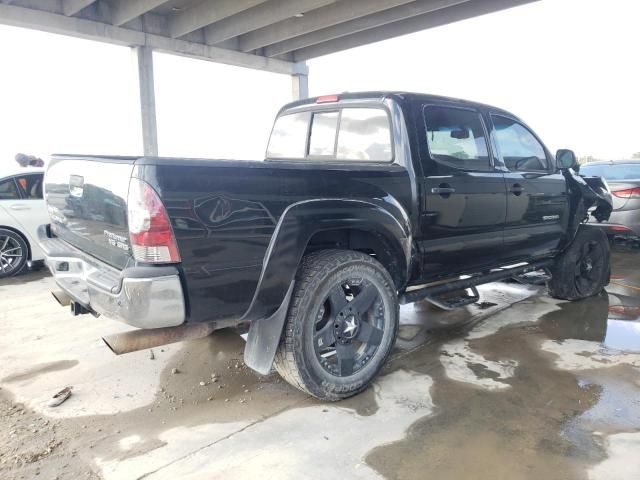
(14,253)
(583,270)
(341,325)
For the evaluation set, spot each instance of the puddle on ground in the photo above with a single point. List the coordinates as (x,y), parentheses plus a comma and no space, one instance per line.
(612,319)
(526,415)
(623,335)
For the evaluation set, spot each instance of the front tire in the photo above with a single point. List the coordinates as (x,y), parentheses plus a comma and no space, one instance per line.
(341,325)
(13,253)
(583,270)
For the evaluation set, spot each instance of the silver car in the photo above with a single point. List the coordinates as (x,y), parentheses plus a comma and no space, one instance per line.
(623,177)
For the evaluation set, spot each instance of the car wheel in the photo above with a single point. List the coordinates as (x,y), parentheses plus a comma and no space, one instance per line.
(341,324)
(583,270)
(13,253)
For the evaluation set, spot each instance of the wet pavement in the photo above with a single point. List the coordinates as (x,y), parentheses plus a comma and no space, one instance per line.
(520,386)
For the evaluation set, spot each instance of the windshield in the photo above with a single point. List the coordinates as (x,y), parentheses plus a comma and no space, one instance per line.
(620,171)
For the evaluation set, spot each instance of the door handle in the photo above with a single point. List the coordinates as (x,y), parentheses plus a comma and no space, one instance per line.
(19,207)
(444,189)
(517,189)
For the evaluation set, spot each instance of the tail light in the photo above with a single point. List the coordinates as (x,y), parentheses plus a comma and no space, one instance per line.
(628,193)
(152,239)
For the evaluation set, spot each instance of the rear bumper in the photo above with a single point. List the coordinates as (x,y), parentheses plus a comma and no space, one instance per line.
(144,297)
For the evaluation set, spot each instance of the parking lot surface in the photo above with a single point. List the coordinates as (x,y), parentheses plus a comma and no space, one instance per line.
(518,386)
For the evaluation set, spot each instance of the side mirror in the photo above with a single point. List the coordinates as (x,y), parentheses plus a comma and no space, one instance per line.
(566,159)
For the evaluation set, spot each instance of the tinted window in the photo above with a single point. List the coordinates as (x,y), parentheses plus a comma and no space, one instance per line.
(31,186)
(364,135)
(323,134)
(289,136)
(456,138)
(520,150)
(8,190)
(618,171)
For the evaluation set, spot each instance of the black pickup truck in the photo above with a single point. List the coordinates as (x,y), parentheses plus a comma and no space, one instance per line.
(364,201)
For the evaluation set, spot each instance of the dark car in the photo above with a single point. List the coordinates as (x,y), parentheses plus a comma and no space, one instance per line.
(365,201)
(623,177)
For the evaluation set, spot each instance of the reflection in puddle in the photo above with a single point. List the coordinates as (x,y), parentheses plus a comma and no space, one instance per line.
(612,320)
(623,335)
(623,325)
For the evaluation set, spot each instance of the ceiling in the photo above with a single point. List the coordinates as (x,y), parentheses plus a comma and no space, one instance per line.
(275,35)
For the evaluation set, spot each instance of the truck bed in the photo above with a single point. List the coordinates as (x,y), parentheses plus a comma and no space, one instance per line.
(223,212)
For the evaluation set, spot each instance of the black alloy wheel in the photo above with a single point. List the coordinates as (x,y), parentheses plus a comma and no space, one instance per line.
(584,268)
(590,266)
(349,327)
(341,325)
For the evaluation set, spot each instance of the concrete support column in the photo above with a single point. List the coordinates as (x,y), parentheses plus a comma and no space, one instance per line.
(300,86)
(143,57)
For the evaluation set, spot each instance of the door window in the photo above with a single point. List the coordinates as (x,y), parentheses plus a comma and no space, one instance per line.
(31,186)
(521,151)
(456,138)
(8,190)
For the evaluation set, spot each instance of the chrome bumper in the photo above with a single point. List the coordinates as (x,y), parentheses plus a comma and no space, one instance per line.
(144,297)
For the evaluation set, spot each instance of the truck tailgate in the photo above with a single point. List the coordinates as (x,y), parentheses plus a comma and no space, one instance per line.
(87,202)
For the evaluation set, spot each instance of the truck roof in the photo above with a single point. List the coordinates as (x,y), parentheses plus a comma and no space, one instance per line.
(401,96)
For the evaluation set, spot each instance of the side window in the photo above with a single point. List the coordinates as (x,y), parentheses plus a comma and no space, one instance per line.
(520,150)
(31,186)
(8,190)
(289,136)
(456,138)
(322,142)
(364,134)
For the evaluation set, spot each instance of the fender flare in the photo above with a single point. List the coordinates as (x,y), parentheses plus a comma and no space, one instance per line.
(298,223)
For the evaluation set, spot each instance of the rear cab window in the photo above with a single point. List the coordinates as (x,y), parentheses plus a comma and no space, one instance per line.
(341,134)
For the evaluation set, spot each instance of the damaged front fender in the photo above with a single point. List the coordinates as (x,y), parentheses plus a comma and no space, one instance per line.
(589,196)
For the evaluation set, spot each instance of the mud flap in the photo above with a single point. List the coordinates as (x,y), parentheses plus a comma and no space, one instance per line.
(264,338)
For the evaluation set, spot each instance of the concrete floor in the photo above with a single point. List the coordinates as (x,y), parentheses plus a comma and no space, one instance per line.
(522,386)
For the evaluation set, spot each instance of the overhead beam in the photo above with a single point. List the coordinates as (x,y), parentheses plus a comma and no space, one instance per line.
(257,17)
(445,16)
(318,19)
(123,11)
(205,13)
(91,30)
(367,22)
(71,7)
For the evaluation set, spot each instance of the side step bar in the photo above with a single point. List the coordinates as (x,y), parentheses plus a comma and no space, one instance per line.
(456,302)
(429,292)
